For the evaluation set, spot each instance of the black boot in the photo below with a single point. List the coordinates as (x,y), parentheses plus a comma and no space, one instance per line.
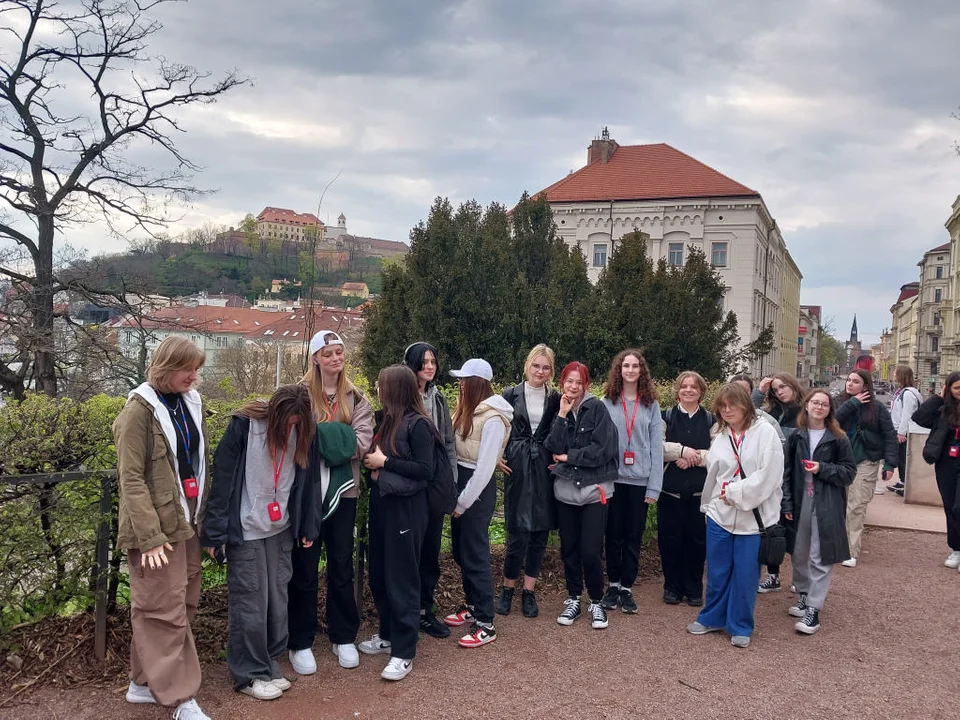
(530,608)
(504,601)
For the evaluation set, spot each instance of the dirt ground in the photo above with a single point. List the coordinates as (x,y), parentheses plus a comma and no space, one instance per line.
(889,647)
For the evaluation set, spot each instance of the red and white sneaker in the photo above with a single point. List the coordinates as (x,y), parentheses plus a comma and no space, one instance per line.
(461,617)
(479,635)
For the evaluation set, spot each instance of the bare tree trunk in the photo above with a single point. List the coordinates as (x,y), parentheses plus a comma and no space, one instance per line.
(44,369)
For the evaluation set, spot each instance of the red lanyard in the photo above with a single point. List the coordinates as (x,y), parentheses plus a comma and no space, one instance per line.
(736,443)
(277,469)
(629,424)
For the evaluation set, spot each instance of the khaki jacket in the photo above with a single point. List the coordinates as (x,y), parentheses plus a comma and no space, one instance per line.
(152,507)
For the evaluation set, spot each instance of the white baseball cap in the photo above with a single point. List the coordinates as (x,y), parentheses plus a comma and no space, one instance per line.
(474,367)
(322,339)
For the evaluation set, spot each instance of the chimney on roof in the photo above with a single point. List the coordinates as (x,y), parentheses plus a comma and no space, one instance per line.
(602,148)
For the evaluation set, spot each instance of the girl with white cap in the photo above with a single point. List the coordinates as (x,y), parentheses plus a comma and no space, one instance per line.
(334,399)
(482,425)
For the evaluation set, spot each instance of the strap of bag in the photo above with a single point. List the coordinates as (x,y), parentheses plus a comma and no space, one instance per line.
(763,530)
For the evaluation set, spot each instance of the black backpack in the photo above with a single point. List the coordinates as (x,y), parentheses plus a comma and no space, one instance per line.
(442,492)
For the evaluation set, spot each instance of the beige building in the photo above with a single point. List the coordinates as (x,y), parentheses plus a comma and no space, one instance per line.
(934,300)
(286,225)
(808,345)
(679,202)
(903,330)
(950,344)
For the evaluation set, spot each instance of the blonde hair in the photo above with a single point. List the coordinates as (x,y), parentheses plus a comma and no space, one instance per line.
(172,355)
(537,351)
(697,378)
(321,409)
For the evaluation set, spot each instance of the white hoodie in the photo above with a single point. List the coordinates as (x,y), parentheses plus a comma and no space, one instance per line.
(761,454)
(492,437)
(194,405)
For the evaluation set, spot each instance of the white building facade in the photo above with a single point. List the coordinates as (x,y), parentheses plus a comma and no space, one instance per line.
(733,227)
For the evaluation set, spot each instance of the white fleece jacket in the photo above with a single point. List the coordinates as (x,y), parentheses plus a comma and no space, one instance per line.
(761,455)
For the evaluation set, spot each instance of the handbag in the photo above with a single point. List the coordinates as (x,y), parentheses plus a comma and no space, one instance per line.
(773,539)
(773,542)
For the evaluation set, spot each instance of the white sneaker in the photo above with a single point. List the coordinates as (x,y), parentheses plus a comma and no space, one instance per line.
(303,661)
(189,710)
(282,683)
(347,655)
(262,690)
(397,669)
(374,646)
(851,562)
(140,694)
(879,490)
(952,562)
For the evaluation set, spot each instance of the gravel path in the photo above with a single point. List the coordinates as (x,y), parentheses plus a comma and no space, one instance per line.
(889,647)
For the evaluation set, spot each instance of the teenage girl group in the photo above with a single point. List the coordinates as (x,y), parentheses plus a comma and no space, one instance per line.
(285,479)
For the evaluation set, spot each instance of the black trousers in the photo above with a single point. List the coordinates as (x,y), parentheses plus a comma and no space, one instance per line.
(626,521)
(902,461)
(948,477)
(581,547)
(682,537)
(430,561)
(397,527)
(343,621)
(470,535)
(526,548)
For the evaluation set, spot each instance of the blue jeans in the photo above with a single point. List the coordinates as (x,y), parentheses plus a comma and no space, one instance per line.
(733,572)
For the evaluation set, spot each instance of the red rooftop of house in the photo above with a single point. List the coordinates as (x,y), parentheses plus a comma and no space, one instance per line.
(283,215)
(642,172)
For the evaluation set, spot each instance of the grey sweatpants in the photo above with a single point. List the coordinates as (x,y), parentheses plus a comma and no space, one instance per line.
(258,572)
(810,575)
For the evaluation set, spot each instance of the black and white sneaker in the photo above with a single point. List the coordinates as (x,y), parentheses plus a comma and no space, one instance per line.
(810,623)
(598,615)
(800,607)
(611,598)
(627,603)
(770,584)
(432,626)
(571,611)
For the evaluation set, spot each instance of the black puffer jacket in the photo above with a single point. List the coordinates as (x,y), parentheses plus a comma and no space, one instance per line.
(930,416)
(837,470)
(589,440)
(871,434)
(408,470)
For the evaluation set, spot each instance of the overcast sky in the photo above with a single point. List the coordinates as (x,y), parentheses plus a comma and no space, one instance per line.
(837,111)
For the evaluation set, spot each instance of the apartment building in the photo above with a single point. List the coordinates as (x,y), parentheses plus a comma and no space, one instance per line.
(679,203)
(932,301)
(808,345)
(950,343)
(903,328)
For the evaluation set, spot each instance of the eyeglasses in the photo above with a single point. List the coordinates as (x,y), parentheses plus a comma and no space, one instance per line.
(813,403)
(541,368)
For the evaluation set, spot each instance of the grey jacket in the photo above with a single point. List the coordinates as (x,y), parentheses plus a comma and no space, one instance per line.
(646,443)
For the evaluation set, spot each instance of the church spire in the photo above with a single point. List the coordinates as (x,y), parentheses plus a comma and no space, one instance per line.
(853,330)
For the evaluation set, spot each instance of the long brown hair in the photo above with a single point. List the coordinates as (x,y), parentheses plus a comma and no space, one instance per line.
(646,393)
(830,421)
(734,394)
(399,395)
(772,402)
(869,412)
(473,391)
(288,401)
(321,409)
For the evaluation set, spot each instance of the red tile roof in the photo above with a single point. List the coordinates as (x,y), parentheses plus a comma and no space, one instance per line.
(645,172)
(939,248)
(290,217)
(291,326)
(203,318)
(908,291)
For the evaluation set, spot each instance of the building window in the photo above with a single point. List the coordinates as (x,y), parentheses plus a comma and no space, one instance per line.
(937,295)
(719,254)
(939,271)
(600,255)
(936,318)
(935,343)
(934,368)
(675,258)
